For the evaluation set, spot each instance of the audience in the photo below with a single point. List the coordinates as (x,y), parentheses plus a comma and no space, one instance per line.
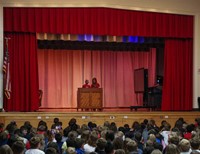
(142,138)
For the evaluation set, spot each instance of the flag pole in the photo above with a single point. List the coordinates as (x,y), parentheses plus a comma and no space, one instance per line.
(5,69)
(7,38)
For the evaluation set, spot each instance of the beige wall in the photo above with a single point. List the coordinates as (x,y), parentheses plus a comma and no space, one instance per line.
(189,7)
(1,55)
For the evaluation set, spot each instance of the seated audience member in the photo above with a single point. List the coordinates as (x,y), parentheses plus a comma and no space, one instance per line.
(165,132)
(95,84)
(156,151)
(34,146)
(50,150)
(71,150)
(18,136)
(138,139)
(173,138)
(148,150)
(79,146)
(171,149)
(3,138)
(110,135)
(5,149)
(109,148)
(62,145)
(86,85)
(188,134)
(71,138)
(25,132)
(18,147)
(184,146)
(91,145)
(56,126)
(101,144)
(55,146)
(42,139)
(158,146)
(118,143)
(195,144)
(85,135)
(132,147)
(120,151)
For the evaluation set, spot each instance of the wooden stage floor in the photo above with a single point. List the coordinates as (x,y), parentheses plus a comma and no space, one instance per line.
(120,117)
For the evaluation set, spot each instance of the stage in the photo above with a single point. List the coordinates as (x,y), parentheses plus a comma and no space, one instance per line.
(120,117)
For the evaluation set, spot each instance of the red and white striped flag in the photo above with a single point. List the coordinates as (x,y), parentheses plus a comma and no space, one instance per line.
(6,71)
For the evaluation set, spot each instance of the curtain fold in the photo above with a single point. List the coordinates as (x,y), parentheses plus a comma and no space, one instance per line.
(23,72)
(97,21)
(62,72)
(178,68)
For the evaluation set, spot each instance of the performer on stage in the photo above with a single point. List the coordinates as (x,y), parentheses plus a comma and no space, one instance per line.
(95,84)
(86,85)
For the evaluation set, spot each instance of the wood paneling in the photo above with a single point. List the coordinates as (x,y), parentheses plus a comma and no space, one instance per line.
(120,118)
(89,98)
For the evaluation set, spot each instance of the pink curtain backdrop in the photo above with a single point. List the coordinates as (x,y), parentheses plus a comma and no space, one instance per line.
(61,72)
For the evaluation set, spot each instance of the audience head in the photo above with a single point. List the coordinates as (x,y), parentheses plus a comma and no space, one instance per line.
(101,143)
(35,142)
(118,143)
(85,135)
(18,147)
(79,143)
(156,151)
(93,138)
(54,145)
(120,151)
(110,135)
(173,138)
(131,146)
(148,149)
(71,150)
(171,149)
(50,150)
(158,146)
(195,143)
(5,149)
(184,145)
(138,136)
(109,149)
(58,137)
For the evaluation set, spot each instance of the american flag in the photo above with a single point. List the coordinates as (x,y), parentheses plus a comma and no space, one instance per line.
(6,71)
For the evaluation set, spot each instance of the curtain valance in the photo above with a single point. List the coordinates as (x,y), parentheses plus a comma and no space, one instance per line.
(99,21)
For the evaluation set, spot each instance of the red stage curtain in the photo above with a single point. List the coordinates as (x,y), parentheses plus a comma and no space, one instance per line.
(23,72)
(62,72)
(178,64)
(100,21)
(115,22)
